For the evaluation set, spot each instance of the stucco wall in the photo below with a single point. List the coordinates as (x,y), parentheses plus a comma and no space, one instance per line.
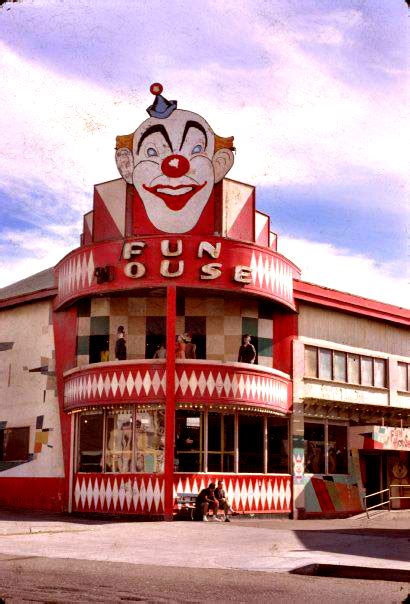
(28,390)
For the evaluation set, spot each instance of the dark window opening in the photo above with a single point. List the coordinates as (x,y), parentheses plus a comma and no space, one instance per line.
(278,446)
(91,442)
(250,443)
(189,441)
(14,444)
(99,349)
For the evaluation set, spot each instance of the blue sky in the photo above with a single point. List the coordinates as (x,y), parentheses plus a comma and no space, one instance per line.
(314,93)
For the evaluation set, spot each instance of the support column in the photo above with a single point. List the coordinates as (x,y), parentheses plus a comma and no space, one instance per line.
(170,403)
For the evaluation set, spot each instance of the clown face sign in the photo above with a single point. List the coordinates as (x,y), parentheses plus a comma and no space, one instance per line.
(173,159)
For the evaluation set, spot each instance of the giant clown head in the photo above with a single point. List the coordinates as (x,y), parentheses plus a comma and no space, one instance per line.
(173,159)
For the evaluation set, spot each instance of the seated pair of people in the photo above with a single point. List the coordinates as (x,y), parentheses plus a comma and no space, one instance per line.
(213,498)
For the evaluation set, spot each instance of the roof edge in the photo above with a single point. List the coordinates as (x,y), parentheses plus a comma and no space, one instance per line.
(343,301)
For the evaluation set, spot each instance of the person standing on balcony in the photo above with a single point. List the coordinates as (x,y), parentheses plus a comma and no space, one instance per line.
(120,345)
(180,348)
(247,352)
(190,347)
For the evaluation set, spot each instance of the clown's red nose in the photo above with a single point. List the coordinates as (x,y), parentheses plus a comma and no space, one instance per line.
(175,166)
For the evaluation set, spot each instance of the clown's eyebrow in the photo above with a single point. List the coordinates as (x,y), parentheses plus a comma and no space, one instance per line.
(158,128)
(192,124)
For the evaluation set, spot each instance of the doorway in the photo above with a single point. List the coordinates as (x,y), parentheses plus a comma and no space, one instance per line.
(374,474)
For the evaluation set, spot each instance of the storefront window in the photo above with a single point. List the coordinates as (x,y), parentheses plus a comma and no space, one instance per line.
(91,442)
(149,441)
(404,376)
(337,449)
(250,443)
(315,448)
(118,454)
(278,445)
(220,442)
(189,441)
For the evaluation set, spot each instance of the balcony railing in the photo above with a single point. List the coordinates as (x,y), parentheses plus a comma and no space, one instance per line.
(196,381)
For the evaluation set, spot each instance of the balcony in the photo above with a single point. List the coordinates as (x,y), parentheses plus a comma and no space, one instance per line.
(198,382)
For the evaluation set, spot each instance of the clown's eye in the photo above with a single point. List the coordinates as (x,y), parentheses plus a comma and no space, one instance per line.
(151,152)
(197,149)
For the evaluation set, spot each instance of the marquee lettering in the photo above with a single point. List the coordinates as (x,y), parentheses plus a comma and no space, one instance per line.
(173,268)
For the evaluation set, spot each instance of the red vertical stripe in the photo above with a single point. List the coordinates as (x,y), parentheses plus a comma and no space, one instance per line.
(170,402)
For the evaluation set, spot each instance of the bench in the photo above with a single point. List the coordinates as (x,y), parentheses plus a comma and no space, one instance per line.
(185,506)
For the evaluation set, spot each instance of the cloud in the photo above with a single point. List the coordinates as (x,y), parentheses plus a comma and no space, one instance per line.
(337,268)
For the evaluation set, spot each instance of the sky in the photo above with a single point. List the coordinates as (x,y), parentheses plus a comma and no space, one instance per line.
(314,93)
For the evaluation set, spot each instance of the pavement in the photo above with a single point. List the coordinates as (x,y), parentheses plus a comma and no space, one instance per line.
(269,545)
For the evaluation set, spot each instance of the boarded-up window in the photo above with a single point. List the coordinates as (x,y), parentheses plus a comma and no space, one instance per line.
(353,361)
(403,376)
(366,371)
(15,444)
(325,364)
(339,366)
(379,373)
(310,361)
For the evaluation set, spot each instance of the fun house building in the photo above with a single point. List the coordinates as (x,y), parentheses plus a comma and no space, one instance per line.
(121,381)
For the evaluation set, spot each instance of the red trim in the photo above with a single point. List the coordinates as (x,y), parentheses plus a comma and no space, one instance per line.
(65,328)
(31,297)
(170,402)
(331,298)
(28,493)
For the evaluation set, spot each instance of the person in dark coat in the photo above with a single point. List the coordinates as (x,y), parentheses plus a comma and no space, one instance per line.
(120,345)
(247,352)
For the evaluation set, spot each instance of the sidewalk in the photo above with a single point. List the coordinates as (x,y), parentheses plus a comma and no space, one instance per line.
(272,545)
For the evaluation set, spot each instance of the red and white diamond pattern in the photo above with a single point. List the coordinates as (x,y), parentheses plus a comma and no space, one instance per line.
(102,385)
(257,493)
(120,493)
(272,274)
(76,273)
(212,384)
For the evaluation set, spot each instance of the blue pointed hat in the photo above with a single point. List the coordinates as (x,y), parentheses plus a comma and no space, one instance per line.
(161,108)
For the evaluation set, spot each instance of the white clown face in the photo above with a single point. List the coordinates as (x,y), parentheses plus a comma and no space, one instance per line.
(174,168)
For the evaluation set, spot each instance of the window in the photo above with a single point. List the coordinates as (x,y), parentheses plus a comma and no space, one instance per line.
(314,448)
(250,443)
(278,445)
(150,441)
(189,441)
(337,449)
(220,442)
(133,442)
(325,448)
(14,444)
(91,442)
(339,366)
(404,377)
(118,448)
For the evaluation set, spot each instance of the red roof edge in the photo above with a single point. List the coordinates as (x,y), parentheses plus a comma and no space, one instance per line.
(30,297)
(332,298)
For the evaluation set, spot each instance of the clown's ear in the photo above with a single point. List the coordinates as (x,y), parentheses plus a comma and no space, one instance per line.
(125,163)
(222,161)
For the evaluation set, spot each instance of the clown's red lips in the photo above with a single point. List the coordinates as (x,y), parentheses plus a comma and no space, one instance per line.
(176,197)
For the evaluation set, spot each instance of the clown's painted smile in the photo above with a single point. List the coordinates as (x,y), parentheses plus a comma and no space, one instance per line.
(176,197)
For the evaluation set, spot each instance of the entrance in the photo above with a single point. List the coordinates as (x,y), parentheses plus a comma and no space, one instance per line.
(374,474)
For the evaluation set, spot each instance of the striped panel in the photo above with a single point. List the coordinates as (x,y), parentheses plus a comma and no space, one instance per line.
(75,274)
(253,494)
(95,386)
(272,274)
(121,493)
